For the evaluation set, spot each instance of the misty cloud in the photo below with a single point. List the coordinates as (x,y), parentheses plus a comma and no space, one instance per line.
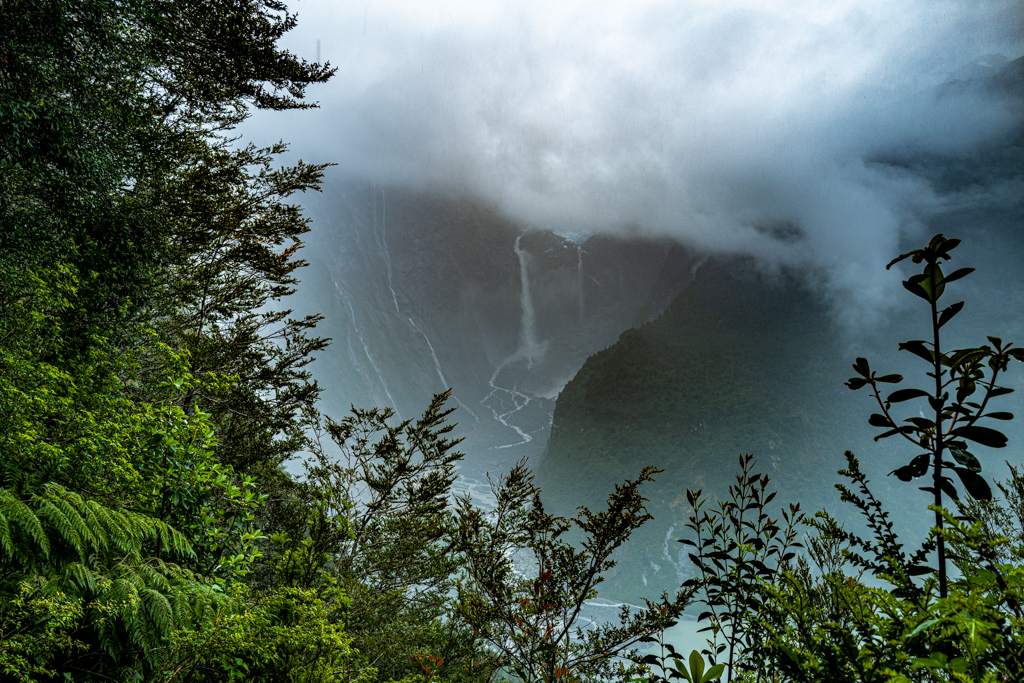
(724,123)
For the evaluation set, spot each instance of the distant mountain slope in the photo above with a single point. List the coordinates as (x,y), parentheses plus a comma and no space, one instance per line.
(744,362)
(741,362)
(424,292)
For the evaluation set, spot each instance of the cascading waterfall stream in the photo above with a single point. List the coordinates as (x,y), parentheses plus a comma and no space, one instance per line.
(385,253)
(366,350)
(528,346)
(518,400)
(437,363)
(437,367)
(680,564)
(510,401)
(579,279)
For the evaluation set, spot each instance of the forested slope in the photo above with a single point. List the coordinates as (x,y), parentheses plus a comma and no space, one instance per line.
(741,362)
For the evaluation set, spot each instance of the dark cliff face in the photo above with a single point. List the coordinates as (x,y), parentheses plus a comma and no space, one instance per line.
(423,293)
(741,362)
(735,345)
(744,362)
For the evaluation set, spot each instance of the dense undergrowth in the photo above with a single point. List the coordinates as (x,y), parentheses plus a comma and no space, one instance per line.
(152,386)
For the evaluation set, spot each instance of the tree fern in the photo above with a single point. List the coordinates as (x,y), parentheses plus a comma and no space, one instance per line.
(14,511)
(115,564)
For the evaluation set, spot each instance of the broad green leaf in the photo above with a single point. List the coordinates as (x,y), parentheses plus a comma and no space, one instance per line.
(922,626)
(697,667)
(974,483)
(986,436)
(920,464)
(879,420)
(965,458)
(905,429)
(901,257)
(933,281)
(681,670)
(949,311)
(966,356)
(918,348)
(922,423)
(957,274)
(946,484)
(714,673)
(901,395)
(965,390)
(905,473)
(856,383)
(917,289)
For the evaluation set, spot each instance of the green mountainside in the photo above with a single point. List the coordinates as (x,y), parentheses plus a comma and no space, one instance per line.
(741,362)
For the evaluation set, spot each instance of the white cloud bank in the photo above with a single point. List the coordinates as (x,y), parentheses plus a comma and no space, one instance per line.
(701,119)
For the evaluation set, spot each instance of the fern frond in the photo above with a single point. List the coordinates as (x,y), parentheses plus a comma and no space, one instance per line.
(64,527)
(171,540)
(154,579)
(16,511)
(100,520)
(128,531)
(159,612)
(70,508)
(83,577)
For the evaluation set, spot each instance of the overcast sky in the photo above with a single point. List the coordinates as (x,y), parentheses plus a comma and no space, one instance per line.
(708,120)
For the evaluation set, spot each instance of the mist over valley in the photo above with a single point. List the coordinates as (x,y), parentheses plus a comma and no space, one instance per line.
(618,255)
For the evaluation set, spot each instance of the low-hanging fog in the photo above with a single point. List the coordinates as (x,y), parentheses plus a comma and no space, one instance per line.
(714,121)
(517,184)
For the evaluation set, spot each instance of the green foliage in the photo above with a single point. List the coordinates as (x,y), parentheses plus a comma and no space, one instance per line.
(34,628)
(668,665)
(288,634)
(229,269)
(376,521)
(111,568)
(955,418)
(139,392)
(892,618)
(814,622)
(526,583)
(737,549)
(696,672)
(831,626)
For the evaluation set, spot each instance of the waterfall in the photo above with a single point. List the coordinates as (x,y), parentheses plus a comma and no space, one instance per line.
(366,350)
(528,346)
(579,278)
(680,564)
(437,367)
(507,402)
(385,254)
(437,363)
(518,400)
